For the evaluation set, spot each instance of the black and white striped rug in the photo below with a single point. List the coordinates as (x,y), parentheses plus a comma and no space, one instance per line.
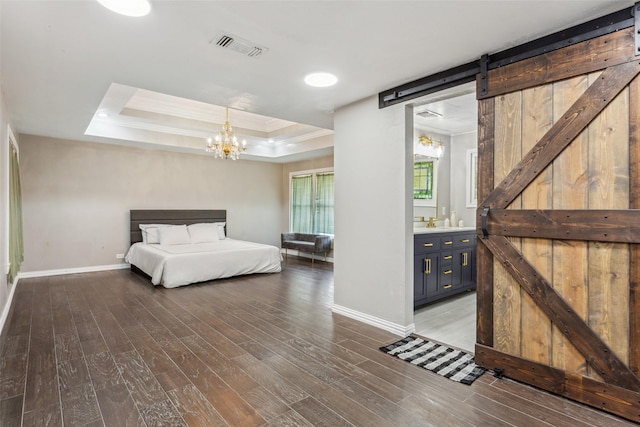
(446,361)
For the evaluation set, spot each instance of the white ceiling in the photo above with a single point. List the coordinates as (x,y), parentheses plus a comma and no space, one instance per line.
(450,112)
(65,61)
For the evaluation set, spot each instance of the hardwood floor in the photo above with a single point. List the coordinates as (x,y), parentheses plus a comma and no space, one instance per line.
(109,349)
(450,321)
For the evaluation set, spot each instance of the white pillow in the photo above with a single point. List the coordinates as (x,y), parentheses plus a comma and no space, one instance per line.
(221,235)
(174,235)
(150,232)
(203,233)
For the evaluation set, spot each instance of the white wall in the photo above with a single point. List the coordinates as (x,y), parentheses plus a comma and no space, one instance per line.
(459,176)
(373,271)
(77,196)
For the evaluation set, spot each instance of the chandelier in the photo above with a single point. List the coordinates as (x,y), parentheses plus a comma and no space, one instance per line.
(225,144)
(430,149)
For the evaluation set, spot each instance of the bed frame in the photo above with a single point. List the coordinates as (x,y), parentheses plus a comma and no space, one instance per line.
(168,216)
(137,217)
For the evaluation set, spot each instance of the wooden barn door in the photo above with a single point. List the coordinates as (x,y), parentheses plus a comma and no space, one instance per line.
(558,225)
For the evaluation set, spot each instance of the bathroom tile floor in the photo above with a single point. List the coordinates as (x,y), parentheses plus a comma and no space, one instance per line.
(451,321)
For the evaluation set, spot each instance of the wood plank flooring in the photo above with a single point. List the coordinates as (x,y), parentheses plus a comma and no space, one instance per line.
(109,349)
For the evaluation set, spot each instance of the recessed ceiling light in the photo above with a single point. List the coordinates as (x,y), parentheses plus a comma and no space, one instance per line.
(320,79)
(103,115)
(271,141)
(133,8)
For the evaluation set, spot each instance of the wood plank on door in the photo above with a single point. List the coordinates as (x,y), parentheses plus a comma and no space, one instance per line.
(507,154)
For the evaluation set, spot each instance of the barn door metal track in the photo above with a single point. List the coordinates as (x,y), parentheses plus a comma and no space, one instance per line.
(465,73)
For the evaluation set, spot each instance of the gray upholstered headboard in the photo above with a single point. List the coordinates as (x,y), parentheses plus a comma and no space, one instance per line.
(163,216)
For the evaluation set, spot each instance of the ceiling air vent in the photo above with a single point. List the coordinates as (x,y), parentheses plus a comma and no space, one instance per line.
(236,44)
(428,114)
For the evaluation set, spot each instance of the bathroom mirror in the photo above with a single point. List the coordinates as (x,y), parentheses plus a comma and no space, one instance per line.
(425,181)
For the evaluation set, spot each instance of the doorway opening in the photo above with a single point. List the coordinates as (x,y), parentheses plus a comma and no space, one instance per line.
(447,117)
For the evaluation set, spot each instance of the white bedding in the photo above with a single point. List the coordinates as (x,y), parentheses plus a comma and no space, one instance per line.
(178,265)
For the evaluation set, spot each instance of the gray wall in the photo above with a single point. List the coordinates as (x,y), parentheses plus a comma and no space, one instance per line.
(77,196)
(373,271)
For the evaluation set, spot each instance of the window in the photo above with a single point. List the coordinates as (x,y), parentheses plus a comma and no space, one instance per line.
(15,243)
(472,178)
(311,209)
(323,218)
(302,204)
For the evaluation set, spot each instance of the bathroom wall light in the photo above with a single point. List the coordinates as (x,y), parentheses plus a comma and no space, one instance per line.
(133,8)
(430,149)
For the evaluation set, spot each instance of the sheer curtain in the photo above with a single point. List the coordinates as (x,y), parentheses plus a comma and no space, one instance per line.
(302,204)
(324,204)
(16,250)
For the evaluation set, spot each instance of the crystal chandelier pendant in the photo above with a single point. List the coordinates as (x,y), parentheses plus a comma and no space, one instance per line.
(225,145)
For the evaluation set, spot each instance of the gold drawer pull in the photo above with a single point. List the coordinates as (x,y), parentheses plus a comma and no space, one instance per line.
(465,259)
(427,266)
(450,242)
(465,240)
(447,272)
(448,257)
(428,245)
(446,286)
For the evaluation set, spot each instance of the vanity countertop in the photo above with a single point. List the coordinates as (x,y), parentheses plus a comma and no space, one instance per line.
(425,230)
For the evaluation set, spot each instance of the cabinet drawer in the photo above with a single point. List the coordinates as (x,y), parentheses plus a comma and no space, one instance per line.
(447,257)
(422,243)
(446,242)
(463,240)
(447,276)
(448,285)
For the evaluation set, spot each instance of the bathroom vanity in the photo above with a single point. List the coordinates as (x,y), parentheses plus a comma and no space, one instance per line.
(444,263)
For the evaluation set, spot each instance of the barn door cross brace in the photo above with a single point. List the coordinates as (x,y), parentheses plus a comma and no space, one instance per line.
(610,83)
(587,342)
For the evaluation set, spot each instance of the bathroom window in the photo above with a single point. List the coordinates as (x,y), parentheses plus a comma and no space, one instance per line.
(472,178)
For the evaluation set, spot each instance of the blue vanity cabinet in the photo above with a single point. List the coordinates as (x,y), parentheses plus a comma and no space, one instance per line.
(444,265)
(426,267)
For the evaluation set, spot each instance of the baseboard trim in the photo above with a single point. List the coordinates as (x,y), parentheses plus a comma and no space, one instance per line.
(61,271)
(7,306)
(394,328)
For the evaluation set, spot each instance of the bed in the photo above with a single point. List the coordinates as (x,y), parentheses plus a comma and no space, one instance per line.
(179,247)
